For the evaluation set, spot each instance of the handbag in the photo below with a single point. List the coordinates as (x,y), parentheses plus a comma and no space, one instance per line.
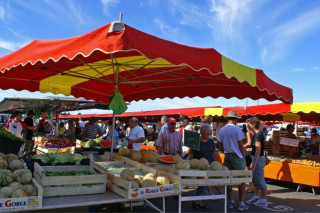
(266,157)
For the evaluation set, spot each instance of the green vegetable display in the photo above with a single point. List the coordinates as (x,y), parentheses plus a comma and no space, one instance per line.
(63,158)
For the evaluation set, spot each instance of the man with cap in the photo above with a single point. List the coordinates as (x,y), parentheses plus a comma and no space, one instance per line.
(170,141)
(230,138)
(92,130)
(28,133)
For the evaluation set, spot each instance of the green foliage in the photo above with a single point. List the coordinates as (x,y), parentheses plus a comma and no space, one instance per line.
(10,136)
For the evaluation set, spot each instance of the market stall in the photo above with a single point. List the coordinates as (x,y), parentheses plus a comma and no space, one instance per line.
(117,58)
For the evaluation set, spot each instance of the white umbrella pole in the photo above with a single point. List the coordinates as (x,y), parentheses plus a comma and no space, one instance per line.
(112,138)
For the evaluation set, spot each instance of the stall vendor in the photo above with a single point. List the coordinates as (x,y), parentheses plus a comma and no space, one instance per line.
(292,151)
(314,141)
(116,141)
(136,135)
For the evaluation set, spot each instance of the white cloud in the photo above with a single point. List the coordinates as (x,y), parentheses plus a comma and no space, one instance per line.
(170,32)
(12,45)
(315,68)
(107,4)
(229,16)
(299,69)
(277,42)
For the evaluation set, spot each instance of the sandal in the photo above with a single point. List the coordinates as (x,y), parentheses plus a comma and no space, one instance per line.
(203,207)
(195,205)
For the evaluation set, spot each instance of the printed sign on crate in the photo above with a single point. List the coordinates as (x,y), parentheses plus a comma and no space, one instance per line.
(152,191)
(289,142)
(10,204)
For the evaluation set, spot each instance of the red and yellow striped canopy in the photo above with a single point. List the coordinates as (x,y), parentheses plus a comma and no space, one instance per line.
(140,65)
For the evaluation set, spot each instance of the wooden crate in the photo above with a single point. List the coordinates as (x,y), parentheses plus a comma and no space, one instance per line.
(204,177)
(241,176)
(34,202)
(69,185)
(124,188)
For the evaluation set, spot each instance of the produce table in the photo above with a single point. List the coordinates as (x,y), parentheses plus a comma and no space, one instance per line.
(295,173)
(86,200)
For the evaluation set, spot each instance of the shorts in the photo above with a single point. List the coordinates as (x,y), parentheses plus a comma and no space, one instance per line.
(258,174)
(233,162)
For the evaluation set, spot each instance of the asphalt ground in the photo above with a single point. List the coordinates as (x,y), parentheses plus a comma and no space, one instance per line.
(282,197)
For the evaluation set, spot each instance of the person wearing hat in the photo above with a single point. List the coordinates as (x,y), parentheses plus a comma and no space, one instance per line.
(92,130)
(230,138)
(28,133)
(170,141)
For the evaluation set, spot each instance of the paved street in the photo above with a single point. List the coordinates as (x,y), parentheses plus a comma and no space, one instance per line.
(282,197)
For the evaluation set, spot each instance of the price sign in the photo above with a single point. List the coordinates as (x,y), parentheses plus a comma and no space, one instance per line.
(192,139)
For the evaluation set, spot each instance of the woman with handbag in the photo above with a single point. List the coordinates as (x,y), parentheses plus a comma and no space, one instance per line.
(258,164)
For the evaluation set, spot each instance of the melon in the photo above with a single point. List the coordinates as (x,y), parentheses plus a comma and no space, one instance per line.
(10,157)
(127,174)
(3,163)
(224,168)
(15,185)
(166,159)
(2,155)
(136,156)
(183,164)
(148,183)
(162,180)
(16,164)
(20,193)
(6,192)
(194,164)
(165,169)
(145,157)
(124,152)
(153,158)
(6,177)
(138,178)
(173,171)
(203,164)
(215,166)
(149,176)
(134,184)
(177,158)
(30,188)
(105,143)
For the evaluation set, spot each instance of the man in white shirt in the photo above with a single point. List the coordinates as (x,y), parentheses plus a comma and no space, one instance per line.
(16,125)
(230,138)
(136,136)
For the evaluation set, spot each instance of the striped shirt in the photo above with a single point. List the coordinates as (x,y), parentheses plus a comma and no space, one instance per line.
(171,142)
(91,131)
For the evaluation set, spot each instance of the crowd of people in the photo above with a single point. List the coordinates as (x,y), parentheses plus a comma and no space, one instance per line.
(244,148)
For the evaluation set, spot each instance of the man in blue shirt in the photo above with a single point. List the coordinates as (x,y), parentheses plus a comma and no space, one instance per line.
(164,120)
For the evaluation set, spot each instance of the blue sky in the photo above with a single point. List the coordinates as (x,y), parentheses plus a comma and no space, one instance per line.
(280,37)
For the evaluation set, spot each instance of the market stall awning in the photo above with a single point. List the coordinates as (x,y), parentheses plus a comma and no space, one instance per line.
(304,111)
(141,66)
(8,105)
(146,115)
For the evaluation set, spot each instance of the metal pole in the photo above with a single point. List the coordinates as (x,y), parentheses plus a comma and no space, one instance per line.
(57,123)
(112,138)
(121,14)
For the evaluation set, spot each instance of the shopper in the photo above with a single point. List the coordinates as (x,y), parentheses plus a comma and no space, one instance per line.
(230,138)
(15,126)
(136,135)
(28,133)
(258,164)
(91,129)
(164,127)
(170,141)
(116,140)
(206,151)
